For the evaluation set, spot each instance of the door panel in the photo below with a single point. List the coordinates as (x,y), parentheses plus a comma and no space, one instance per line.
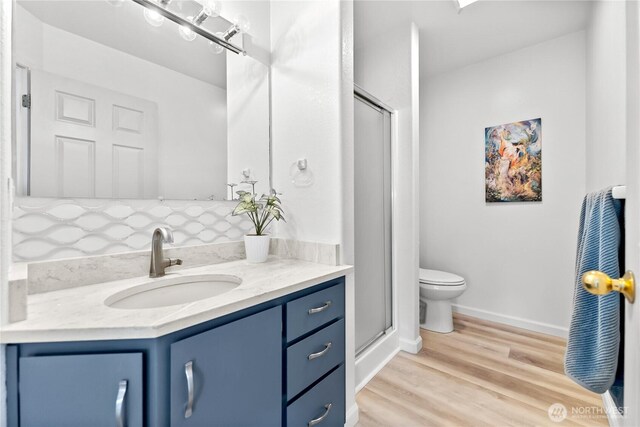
(76,161)
(121,130)
(80,390)
(235,374)
(632,217)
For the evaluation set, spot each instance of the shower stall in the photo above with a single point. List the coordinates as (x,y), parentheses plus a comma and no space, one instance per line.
(373,220)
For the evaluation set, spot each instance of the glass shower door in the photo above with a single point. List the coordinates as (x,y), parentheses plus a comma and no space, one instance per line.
(372,220)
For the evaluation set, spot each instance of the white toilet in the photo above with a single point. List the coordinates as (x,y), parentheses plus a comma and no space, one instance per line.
(437,289)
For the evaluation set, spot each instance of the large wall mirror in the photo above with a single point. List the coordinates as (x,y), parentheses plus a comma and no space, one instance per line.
(115,100)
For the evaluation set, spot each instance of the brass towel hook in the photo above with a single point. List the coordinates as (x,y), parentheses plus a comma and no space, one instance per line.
(598,283)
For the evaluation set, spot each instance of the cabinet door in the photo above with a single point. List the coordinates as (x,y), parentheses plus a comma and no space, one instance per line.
(81,390)
(231,375)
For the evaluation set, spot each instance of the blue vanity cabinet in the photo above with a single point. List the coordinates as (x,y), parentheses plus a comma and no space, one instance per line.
(315,356)
(230,375)
(278,363)
(81,390)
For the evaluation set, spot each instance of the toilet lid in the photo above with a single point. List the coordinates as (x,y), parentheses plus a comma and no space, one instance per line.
(437,277)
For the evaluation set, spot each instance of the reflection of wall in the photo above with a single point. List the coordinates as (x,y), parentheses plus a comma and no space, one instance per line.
(248,121)
(248,97)
(498,248)
(192,114)
(606,95)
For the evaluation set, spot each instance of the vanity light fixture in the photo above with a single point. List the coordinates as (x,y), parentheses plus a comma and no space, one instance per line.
(240,25)
(154,18)
(202,16)
(186,24)
(215,47)
(461,4)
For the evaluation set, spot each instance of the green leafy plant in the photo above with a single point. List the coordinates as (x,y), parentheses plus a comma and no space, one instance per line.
(261,212)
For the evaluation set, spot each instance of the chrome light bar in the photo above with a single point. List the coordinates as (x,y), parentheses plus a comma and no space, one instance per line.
(195,28)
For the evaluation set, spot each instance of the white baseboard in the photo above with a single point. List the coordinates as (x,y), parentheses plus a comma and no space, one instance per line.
(518,322)
(375,370)
(353,416)
(614,417)
(411,346)
(375,357)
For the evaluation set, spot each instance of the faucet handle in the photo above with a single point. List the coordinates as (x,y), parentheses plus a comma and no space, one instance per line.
(175,261)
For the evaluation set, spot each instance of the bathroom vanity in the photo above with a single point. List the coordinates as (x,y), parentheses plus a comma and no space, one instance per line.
(263,354)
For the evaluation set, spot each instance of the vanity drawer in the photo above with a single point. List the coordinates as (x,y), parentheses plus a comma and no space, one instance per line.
(313,357)
(310,409)
(312,311)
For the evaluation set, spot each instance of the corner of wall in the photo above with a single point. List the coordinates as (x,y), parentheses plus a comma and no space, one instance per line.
(5,182)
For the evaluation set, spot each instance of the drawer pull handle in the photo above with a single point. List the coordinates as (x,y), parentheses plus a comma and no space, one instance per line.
(320,419)
(312,356)
(188,371)
(122,392)
(320,309)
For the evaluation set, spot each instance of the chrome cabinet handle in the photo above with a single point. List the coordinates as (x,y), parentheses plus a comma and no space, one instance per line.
(188,371)
(320,419)
(122,391)
(312,356)
(320,309)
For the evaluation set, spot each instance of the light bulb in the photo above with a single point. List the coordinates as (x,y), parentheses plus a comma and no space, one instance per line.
(115,3)
(215,47)
(153,18)
(242,23)
(213,6)
(185,32)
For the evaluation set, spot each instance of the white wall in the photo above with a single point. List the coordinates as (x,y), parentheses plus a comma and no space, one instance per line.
(518,258)
(193,141)
(387,68)
(606,95)
(306,115)
(312,118)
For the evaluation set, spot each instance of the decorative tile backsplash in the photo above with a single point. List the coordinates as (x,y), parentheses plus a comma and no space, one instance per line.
(45,229)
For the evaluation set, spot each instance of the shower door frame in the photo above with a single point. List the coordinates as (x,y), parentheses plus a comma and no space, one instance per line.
(369,99)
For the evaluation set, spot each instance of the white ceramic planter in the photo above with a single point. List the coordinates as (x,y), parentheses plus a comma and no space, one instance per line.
(257,247)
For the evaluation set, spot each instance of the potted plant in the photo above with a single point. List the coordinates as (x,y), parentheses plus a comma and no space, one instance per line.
(261,213)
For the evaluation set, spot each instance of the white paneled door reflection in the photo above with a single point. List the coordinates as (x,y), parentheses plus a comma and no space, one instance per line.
(90,141)
(372,221)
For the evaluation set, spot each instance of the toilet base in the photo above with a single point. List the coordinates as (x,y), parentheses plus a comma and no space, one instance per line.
(439,316)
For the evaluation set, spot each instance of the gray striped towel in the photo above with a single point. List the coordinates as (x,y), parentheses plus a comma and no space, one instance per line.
(594,335)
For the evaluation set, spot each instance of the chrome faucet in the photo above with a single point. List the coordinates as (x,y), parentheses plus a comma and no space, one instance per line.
(158,261)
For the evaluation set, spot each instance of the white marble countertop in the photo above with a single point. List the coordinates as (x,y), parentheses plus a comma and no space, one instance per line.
(79,314)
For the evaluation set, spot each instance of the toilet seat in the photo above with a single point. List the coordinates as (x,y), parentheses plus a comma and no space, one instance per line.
(439,278)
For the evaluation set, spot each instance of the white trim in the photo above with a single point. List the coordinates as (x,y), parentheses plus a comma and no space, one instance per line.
(611,409)
(518,322)
(413,346)
(353,416)
(369,363)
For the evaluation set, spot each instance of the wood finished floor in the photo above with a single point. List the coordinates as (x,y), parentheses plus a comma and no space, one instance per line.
(482,374)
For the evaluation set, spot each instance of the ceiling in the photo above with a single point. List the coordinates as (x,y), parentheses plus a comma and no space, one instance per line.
(483,30)
(123,27)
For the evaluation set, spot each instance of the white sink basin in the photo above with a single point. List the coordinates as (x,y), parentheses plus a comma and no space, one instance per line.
(173,290)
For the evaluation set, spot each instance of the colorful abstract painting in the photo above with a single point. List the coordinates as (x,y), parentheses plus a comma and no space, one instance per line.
(513,162)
